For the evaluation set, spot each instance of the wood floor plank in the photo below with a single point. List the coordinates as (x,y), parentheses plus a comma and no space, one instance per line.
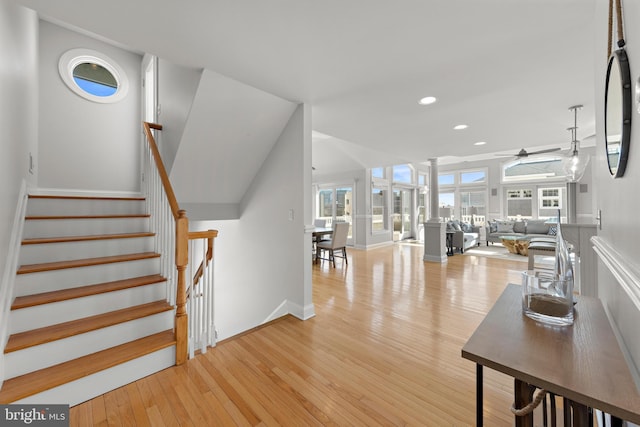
(98,410)
(112,409)
(155,417)
(177,407)
(160,399)
(383,349)
(137,406)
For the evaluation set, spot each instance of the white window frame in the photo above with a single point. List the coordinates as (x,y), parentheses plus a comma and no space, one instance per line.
(541,198)
(72,58)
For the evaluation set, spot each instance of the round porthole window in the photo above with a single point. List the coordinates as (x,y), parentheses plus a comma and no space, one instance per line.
(93,75)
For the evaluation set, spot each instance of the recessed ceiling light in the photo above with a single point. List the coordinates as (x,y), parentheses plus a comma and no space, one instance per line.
(460,127)
(479,143)
(427,100)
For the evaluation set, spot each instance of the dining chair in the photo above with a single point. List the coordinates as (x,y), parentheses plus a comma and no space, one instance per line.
(338,242)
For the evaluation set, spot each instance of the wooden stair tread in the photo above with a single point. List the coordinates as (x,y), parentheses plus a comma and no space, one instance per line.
(69,197)
(59,265)
(105,216)
(45,379)
(47,334)
(83,291)
(34,241)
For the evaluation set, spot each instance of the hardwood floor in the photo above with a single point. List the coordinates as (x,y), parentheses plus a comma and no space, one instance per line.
(383,349)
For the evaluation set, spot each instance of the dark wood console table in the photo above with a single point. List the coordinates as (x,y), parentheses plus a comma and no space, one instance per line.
(582,362)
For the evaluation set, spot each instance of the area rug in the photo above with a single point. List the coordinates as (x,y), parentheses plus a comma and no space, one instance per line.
(499,251)
(494,251)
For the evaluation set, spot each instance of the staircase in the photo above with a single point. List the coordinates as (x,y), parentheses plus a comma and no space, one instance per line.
(91,311)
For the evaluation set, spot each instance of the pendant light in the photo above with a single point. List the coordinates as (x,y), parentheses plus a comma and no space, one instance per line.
(575,163)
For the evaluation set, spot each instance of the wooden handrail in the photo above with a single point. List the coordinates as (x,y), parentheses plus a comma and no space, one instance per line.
(173,202)
(181,249)
(182,237)
(209,235)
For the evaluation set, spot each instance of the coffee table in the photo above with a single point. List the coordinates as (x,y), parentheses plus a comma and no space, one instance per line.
(515,245)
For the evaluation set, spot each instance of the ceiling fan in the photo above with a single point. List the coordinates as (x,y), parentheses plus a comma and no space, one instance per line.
(525,153)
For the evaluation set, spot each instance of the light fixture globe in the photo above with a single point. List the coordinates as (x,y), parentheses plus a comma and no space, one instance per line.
(575,164)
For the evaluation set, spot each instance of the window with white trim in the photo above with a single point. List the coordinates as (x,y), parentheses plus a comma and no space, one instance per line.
(93,75)
(378,209)
(519,203)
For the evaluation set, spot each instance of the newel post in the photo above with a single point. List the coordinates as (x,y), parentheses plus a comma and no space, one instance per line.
(182,259)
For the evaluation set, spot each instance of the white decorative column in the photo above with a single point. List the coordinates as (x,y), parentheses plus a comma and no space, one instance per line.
(434,230)
(572,204)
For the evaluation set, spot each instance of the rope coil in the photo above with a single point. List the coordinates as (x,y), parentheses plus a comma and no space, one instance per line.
(531,406)
(619,23)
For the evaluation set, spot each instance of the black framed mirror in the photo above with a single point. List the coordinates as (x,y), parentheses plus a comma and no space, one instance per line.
(617,112)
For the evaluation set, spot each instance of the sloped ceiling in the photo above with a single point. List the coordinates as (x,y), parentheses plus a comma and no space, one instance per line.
(333,155)
(229,133)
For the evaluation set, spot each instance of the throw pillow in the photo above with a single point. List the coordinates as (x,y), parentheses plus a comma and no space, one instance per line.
(553,230)
(456,225)
(537,227)
(466,227)
(493,227)
(519,227)
(505,226)
(450,227)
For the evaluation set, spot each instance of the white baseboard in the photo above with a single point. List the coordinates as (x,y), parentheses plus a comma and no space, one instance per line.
(289,307)
(302,313)
(373,246)
(435,258)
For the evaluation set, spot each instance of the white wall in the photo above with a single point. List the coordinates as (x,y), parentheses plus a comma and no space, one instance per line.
(618,198)
(83,144)
(177,87)
(18,129)
(263,260)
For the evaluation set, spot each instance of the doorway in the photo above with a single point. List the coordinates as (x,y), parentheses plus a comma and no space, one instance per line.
(150,88)
(336,204)
(402,214)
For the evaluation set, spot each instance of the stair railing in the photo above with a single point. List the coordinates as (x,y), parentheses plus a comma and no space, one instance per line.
(171,226)
(200,293)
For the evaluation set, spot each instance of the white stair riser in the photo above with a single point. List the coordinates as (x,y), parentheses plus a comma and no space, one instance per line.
(47,281)
(80,227)
(94,385)
(67,251)
(59,351)
(36,206)
(39,316)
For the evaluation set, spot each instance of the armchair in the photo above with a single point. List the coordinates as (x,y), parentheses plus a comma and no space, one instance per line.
(463,240)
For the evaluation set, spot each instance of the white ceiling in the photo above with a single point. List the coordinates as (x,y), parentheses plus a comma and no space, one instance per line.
(508,69)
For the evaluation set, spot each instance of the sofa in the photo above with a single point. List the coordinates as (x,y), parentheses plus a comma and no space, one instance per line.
(522,229)
(463,235)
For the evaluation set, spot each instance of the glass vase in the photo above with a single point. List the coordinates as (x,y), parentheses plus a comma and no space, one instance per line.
(549,298)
